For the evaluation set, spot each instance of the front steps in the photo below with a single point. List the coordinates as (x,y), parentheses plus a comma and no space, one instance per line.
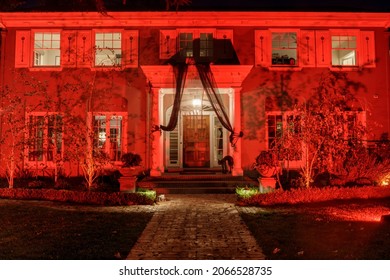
(195,182)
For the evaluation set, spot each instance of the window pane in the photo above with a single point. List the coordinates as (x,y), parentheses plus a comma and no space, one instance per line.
(47,36)
(116,44)
(107,44)
(116,36)
(38,36)
(55,44)
(108,36)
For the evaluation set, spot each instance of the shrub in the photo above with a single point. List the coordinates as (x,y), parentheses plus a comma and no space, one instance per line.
(131,160)
(82,197)
(246,192)
(296,196)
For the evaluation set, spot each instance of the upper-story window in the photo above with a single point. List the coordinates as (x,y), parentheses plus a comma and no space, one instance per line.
(284,48)
(206,44)
(46,49)
(196,44)
(344,50)
(108,49)
(186,44)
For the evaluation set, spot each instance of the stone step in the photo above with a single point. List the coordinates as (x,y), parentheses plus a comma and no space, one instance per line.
(195,184)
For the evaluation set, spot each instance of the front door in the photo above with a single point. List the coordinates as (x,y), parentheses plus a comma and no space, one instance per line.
(196,141)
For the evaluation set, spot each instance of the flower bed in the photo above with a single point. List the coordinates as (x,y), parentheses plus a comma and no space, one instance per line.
(296,196)
(82,197)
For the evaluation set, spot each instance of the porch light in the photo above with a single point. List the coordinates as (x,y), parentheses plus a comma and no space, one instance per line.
(196,102)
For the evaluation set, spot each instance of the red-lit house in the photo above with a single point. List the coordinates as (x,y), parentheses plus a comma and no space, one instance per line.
(122,72)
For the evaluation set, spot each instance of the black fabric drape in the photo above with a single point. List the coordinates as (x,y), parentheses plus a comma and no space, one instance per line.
(210,86)
(207,78)
(180,71)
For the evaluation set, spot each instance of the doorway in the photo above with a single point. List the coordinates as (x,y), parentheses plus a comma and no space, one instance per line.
(196,141)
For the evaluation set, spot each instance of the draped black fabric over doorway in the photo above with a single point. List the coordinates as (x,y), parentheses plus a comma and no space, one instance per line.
(209,85)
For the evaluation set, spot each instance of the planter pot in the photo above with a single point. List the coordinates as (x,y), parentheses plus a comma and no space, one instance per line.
(267,184)
(127,183)
(129,171)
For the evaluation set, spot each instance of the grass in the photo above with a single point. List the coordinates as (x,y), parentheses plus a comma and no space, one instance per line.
(47,230)
(349,229)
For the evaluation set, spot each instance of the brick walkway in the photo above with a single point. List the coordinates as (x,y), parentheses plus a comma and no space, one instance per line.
(196,227)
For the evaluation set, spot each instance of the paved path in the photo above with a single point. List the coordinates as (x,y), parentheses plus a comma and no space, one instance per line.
(196,227)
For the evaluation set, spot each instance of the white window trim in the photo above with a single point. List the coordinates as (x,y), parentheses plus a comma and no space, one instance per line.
(345,32)
(33,67)
(276,67)
(93,52)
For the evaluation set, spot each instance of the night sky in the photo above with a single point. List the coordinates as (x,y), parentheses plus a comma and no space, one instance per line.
(209,5)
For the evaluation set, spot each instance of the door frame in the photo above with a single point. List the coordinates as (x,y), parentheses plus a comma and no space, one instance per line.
(212,116)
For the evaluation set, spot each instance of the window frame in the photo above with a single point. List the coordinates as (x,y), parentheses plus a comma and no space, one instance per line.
(33,51)
(296,59)
(345,33)
(196,36)
(285,115)
(107,142)
(46,161)
(95,48)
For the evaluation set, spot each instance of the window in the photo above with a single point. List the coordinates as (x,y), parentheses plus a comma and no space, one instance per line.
(284,48)
(344,50)
(45,137)
(206,45)
(46,49)
(353,125)
(283,128)
(108,131)
(108,47)
(186,44)
(203,46)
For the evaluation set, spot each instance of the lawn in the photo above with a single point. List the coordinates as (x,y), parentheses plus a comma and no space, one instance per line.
(45,230)
(349,229)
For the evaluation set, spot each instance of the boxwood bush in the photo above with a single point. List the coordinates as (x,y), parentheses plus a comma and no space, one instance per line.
(82,197)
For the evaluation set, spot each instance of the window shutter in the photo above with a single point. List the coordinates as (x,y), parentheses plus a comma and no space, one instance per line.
(262,48)
(323,49)
(307,48)
(130,48)
(367,49)
(22,49)
(68,48)
(85,52)
(168,45)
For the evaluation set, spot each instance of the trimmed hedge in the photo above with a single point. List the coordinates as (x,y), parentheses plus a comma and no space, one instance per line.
(295,196)
(82,197)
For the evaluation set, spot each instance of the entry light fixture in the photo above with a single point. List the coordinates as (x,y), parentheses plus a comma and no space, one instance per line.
(196,102)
